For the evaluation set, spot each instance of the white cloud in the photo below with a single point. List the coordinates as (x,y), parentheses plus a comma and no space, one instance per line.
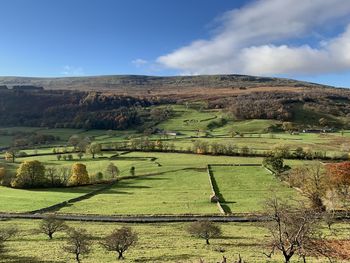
(139,62)
(253,40)
(72,71)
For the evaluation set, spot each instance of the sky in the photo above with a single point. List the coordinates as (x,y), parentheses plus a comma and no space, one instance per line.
(301,39)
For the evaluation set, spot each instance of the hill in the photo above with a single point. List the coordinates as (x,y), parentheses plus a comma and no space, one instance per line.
(47,102)
(120,82)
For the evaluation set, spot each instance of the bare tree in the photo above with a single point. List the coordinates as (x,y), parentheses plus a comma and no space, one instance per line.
(51,225)
(329,218)
(112,170)
(78,243)
(313,182)
(80,155)
(204,229)
(93,149)
(64,174)
(11,154)
(51,174)
(119,241)
(294,231)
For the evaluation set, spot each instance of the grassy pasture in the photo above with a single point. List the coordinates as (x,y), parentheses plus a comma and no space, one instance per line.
(18,200)
(247,126)
(178,191)
(181,192)
(5,140)
(331,144)
(15,129)
(245,188)
(175,191)
(189,119)
(157,243)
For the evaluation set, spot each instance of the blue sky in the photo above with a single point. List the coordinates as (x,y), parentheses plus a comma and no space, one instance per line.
(58,38)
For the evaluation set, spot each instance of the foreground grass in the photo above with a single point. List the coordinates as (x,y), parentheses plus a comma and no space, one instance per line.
(157,243)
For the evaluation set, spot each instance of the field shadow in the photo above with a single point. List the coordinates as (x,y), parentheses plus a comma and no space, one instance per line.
(114,192)
(133,187)
(151,178)
(78,189)
(25,259)
(163,258)
(232,238)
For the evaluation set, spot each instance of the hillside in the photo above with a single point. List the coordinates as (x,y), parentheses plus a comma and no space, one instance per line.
(121,82)
(120,101)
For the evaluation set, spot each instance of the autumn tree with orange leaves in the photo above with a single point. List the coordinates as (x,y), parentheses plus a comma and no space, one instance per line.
(339,177)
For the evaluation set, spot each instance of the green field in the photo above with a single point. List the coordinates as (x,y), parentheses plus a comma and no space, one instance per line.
(17,200)
(178,185)
(247,126)
(187,119)
(182,192)
(191,123)
(245,189)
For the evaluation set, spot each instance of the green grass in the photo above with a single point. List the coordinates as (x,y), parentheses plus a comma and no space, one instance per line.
(181,192)
(189,119)
(255,133)
(332,144)
(247,126)
(157,243)
(16,200)
(308,116)
(20,129)
(5,140)
(245,189)
(175,191)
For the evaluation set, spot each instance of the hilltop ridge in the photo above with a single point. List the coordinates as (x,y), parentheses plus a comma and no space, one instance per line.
(119,82)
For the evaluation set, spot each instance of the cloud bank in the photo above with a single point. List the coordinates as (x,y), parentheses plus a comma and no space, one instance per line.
(255,39)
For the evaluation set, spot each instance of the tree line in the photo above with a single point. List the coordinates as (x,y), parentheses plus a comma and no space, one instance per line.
(34,174)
